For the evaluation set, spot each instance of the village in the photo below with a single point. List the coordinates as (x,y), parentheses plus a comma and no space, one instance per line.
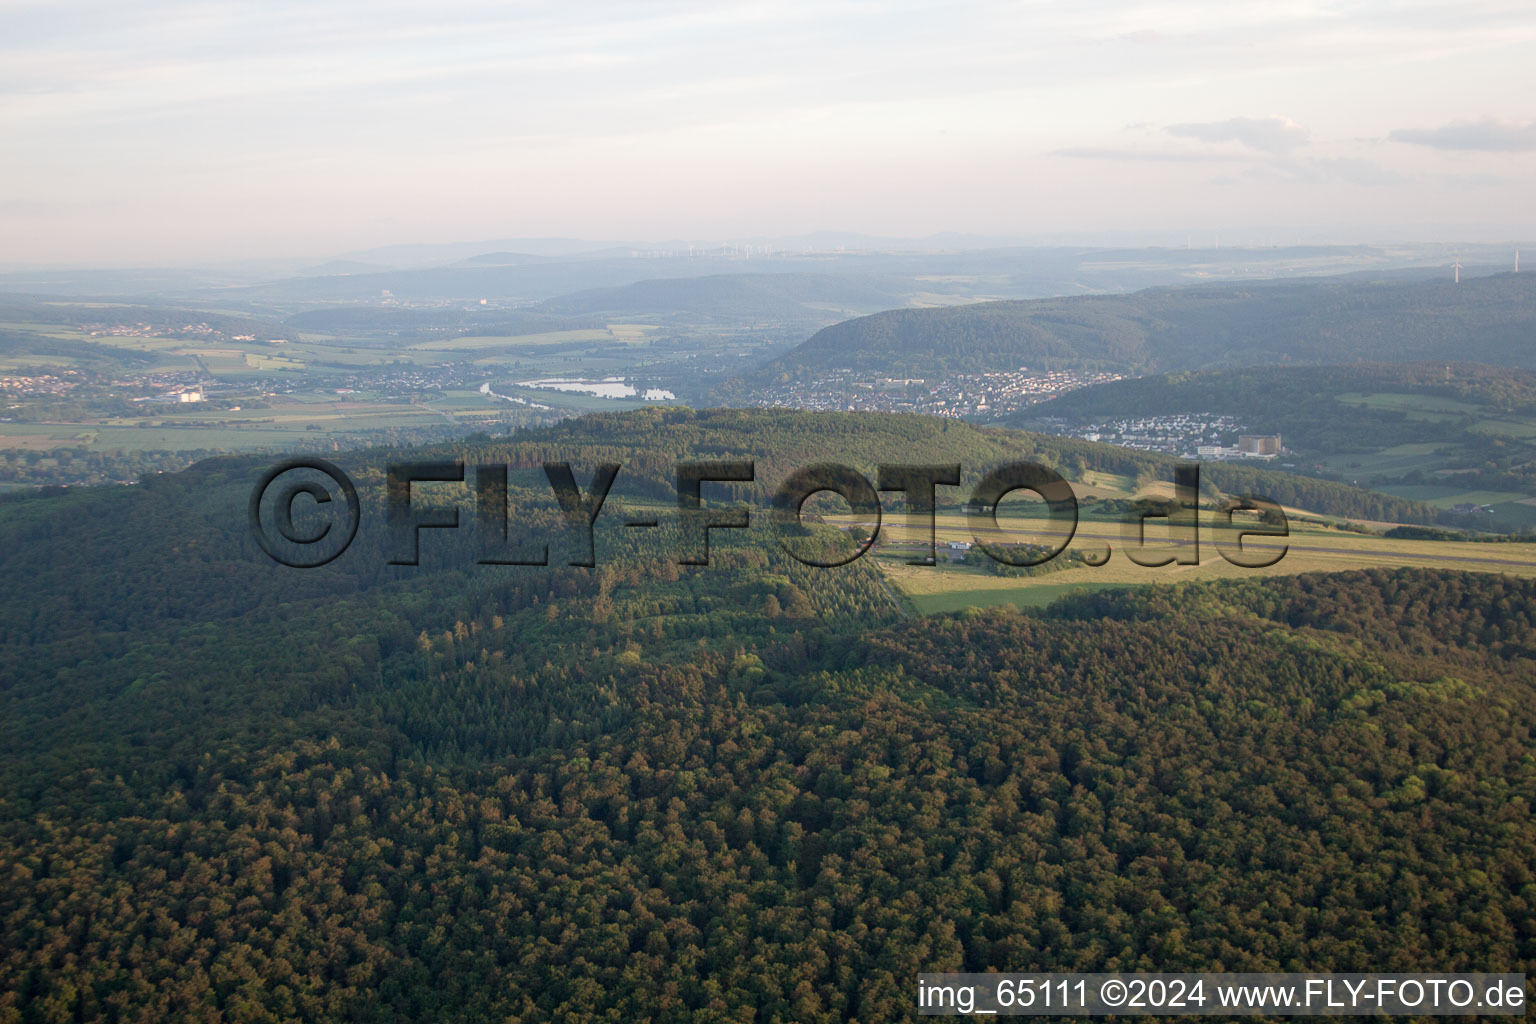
(959,396)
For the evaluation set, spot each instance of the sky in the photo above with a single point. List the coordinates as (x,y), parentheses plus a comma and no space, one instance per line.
(160,131)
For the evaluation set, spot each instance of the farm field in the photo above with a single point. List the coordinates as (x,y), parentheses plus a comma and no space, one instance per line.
(285,419)
(106,438)
(954,587)
(269,394)
(1500,427)
(28,361)
(251,357)
(1507,508)
(1425,407)
(1425,456)
(516,341)
(246,429)
(1444,496)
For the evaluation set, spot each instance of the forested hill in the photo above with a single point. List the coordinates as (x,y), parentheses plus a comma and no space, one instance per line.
(104,562)
(1488,320)
(1316,408)
(649,442)
(700,797)
(231,790)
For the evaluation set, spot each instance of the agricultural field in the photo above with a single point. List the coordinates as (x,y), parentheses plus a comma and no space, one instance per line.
(1505,427)
(1313,545)
(1505,510)
(1420,407)
(10,363)
(1308,549)
(269,388)
(1424,456)
(519,341)
(274,426)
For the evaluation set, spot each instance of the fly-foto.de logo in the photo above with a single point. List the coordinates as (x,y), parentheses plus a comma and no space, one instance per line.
(315,485)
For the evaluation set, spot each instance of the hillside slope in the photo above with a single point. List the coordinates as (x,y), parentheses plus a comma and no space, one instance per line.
(230,790)
(1304,402)
(648,442)
(367,792)
(1449,432)
(1488,320)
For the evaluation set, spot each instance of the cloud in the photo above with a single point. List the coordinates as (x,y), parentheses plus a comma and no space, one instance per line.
(1326,171)
(1486,136)
(1269,134)
(1156,155)
(1469,180)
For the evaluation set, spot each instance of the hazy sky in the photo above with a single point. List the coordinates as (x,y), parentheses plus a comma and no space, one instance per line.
(161,131)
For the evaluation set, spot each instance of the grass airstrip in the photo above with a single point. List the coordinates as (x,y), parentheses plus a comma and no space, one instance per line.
(1308,548)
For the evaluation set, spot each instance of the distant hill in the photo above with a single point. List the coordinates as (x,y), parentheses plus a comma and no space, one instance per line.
(428,254)
(1449,433)
(508,275)
(1315,407)
(407,322)
(1489,320)
(765,296)
(503,259)
(446,284)
(344,267)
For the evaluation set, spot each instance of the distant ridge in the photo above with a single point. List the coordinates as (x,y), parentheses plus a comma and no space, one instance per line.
(503,259)
(343,267)
(769,296)
(1488,319)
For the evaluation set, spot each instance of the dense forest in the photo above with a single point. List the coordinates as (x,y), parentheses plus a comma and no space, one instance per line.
(1488,320)
(749,791)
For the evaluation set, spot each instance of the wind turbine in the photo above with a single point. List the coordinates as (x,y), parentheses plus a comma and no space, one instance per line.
(1458,272)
